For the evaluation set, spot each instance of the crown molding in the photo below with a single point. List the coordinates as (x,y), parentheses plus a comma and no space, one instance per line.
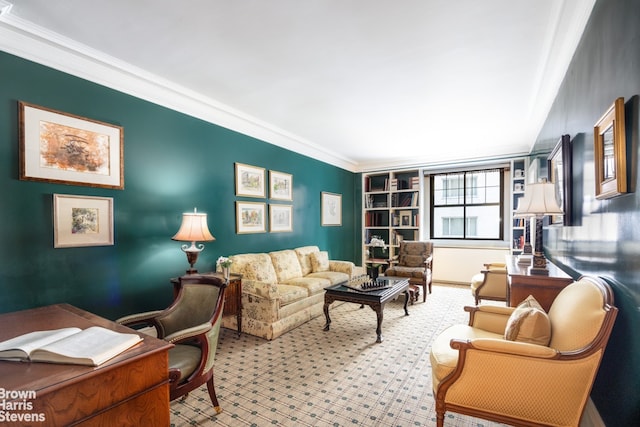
(26,40)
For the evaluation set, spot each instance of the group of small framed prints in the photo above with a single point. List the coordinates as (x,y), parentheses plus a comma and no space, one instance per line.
(62,148)
(251,216)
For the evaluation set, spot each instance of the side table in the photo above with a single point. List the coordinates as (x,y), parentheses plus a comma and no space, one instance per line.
(543,288)
(232,295)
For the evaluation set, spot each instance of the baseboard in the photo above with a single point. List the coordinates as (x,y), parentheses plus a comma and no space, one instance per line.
(591,416)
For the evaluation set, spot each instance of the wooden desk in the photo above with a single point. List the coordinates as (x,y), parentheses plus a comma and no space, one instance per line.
(132,389)
(543,288)
(232,296)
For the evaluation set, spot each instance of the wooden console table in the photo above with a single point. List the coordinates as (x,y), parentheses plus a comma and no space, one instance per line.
(232,295)
(132,389)
(544,288)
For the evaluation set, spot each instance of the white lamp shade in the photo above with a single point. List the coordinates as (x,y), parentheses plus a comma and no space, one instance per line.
(539,200)
(194,228)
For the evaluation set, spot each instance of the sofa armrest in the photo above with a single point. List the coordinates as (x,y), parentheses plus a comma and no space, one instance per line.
(346,267)
(490,318)
(260,289)
(514,348)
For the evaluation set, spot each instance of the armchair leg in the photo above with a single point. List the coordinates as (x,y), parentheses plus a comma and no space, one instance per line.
(212,395)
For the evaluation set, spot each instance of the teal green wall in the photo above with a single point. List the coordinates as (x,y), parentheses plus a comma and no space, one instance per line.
(172,163)
(603,239)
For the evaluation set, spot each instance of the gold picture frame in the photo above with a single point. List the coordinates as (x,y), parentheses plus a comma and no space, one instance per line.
(280,218)
(63,148)
(331,209)
(82,221)
(250,181)
(280,186)
(251,217)
(610,152)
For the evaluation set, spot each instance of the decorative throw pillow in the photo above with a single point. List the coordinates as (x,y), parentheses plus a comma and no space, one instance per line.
(320,261)
(529,323)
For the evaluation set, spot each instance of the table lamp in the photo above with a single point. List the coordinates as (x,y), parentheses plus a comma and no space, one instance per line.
(193,229)
(539,200)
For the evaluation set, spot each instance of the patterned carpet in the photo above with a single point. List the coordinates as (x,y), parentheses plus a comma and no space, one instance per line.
(309,377)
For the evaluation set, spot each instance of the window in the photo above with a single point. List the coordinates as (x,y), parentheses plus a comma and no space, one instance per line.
(467,205)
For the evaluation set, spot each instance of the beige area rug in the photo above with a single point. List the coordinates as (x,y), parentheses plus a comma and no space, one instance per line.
(309,377)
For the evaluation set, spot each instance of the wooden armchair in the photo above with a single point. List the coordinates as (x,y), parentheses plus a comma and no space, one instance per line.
(522,381)
(415,261)
(192,322)
(491,283)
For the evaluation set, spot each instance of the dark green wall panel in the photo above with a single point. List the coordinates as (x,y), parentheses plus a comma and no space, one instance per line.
(173,163)
(604,239)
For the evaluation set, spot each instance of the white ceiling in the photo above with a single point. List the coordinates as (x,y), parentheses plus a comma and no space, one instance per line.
(361,84)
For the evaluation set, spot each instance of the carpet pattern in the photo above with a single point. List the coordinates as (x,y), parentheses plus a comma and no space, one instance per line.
(309,377)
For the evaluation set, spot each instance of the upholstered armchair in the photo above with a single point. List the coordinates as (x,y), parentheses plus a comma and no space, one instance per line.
(522,366)
(415,261)
(491,283)
(192,323)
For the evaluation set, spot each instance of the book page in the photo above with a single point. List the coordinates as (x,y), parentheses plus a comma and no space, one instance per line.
(92,346)
(20,347)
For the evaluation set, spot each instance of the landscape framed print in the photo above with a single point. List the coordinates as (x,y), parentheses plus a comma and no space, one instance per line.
(250,181)
(63,148)
(250,217)
(280,218)
(82,221)
(280,186)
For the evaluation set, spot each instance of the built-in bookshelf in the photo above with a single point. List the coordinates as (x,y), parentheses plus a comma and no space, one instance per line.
(518,185)
(392,211)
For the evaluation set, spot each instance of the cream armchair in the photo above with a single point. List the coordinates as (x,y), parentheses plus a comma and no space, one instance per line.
(478,372)
(491,283)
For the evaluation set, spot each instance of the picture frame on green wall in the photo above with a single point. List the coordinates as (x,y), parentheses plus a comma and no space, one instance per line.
(82,221)
(559,166)
(280,186)
(331,209)
(250,181)
(250,217)
(610,152)
(58,147)
(280,218)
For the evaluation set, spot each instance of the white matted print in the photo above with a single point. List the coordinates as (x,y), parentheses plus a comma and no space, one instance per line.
(64,148)
(250,217)
(250,181)
(280,186)
(280,218)
(331,210)
(82,221)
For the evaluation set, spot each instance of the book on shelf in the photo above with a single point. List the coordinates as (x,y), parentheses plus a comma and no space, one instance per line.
(92,346)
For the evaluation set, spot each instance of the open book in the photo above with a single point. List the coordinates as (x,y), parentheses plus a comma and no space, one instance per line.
(92,346)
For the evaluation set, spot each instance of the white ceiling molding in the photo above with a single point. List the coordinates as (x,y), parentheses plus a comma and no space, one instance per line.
(26,40)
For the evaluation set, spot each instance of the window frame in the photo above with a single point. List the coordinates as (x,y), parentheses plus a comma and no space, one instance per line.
(465,204)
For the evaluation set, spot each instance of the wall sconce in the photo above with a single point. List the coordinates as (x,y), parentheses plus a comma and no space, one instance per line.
(539,200)
(193,229)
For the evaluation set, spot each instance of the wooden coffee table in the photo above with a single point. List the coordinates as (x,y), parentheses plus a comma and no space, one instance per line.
(376,299)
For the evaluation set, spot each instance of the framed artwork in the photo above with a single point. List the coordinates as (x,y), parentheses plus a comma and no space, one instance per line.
(82,221)
(280,218)
(250,217)
(250,181)
(405,218)
(280,186)
(331,209)
(560,174)
(610,152)
(62,148)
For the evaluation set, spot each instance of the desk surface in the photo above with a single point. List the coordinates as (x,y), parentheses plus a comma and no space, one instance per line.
(72,393)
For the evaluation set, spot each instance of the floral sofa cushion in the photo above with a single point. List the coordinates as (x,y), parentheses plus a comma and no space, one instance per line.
(254,267)
(304,257)
(286,265)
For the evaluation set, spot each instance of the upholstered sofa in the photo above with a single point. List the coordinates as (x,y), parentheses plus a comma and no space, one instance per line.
(282,290)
